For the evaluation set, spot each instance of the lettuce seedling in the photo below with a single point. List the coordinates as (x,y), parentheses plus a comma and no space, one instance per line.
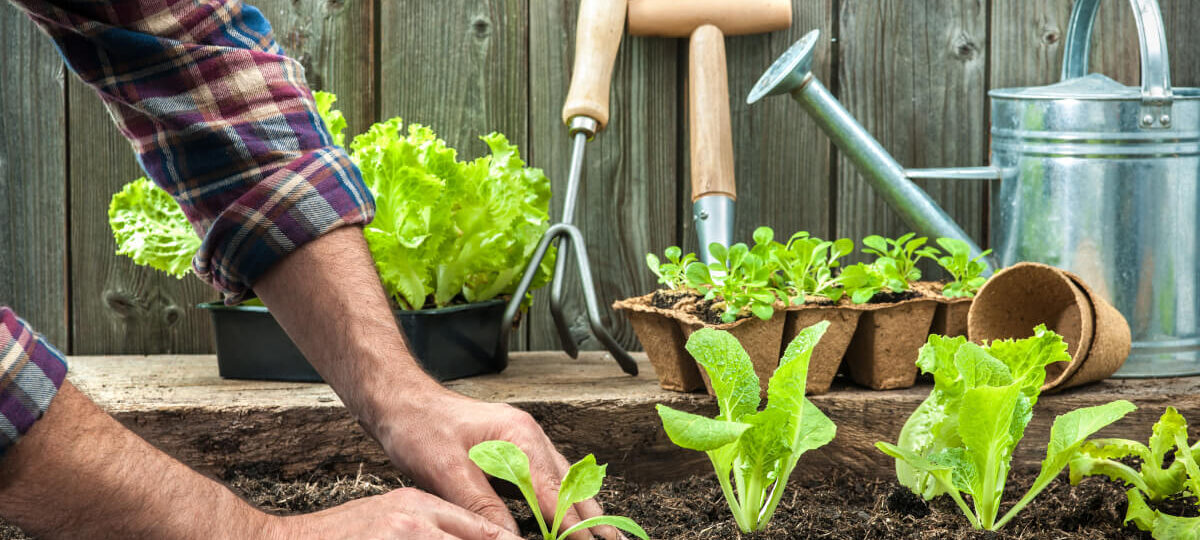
(862,282)
(504,460)
(757,449)
(961,439)
(1154,479)
(673,272)
(744,283)
(150,228)
(967,272)
(806,267)
(897,259)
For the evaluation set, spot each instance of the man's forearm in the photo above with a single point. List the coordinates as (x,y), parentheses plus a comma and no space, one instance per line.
(328,298)
(79,474)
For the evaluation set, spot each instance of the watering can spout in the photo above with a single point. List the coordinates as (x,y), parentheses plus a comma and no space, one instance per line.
(792,74)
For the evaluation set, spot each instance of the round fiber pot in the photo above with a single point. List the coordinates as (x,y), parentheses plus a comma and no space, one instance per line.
(1020,297)
(760,339)
(827,356)
(1111,344)
(663,342)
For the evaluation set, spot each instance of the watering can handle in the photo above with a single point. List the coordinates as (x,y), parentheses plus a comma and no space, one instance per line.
(1156,72)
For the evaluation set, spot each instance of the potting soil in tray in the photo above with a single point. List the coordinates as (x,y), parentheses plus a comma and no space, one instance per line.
(843,508)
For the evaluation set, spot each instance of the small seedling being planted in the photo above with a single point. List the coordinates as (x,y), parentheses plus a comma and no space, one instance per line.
(671,273)
(1156,477)
(739,278)
(806,266)
(754,452)
(960,440)
(894,268)
(967,272)
(504,460)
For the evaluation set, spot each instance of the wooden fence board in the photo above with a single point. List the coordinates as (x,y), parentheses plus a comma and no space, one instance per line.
(33,178)
(117,306)
(627,202)
(913,73)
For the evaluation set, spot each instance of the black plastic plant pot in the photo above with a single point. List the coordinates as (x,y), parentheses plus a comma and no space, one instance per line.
(450,343)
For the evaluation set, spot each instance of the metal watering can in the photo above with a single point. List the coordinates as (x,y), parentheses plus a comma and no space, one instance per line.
(1092,176)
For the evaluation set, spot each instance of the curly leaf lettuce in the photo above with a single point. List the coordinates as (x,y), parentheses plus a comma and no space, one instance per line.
(150,228)
(445,229)
(334,120)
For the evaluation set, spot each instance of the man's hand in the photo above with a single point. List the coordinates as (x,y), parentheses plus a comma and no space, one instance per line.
(435,432)
(402,514)
(328,297)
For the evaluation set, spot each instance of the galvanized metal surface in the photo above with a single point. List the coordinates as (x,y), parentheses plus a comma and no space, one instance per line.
(713,217)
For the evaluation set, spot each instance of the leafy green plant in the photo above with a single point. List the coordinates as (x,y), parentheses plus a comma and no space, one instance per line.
(758,450)
(504,460)
(960,440)
(862,282)
(446,229)
(739,279)
(334,120)
(896,259)
(1154,479)
(806,265)
(672,272)
(150,228)
(967,272)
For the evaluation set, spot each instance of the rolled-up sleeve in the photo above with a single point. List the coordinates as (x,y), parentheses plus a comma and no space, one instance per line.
(220,118)
(31,372)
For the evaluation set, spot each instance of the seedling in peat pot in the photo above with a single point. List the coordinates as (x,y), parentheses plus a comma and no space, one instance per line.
(897,259)
(862,282)
(806,265)
(671,273)
(1153,479)
(506,461)
(967,272)
(743,283)
(961,438)
(758,449)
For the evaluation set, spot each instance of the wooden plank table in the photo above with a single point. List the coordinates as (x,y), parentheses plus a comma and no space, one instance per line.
(180,404)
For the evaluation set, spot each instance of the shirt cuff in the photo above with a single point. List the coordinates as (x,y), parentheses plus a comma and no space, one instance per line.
(32,372)
(312,195)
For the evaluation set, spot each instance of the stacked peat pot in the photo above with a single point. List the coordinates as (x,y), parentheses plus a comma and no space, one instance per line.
(879,313)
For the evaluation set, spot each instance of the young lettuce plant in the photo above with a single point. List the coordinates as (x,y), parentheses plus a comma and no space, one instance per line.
(743,285)
(897,259)
(862,282)
(961,439)
(806,267)
(504,460)
(758,450)
(150,228)
(671,273)
(1154,479)
(967,272)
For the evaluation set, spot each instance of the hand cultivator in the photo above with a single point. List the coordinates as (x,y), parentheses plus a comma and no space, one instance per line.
(598,35)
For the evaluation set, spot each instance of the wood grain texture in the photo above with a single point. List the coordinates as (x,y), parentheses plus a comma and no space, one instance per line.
(629,194)
(586,406)
(33,178)
(781,158)
(119,307)
(914,75)
(1028,38)
(335,42)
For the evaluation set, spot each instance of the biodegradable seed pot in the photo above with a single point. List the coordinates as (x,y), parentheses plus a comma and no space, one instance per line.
(663,341)
(950,319)
(883,351)
(449,343)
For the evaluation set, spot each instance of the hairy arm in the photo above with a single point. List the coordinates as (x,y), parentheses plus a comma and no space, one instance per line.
(79,474)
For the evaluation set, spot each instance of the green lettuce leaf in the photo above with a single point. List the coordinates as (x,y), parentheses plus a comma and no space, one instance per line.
(150,228)
(444,229)
(334,120)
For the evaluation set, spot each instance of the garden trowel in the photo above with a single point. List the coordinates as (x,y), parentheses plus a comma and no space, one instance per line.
(598,36)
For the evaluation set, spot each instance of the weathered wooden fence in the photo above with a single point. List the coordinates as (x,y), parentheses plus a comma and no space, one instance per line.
(914,73)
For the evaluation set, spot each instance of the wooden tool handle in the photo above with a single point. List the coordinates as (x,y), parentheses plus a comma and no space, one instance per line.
(597,37)
(678,18)
(708,115)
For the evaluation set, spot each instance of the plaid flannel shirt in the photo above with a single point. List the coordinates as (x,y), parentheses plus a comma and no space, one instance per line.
(222,120)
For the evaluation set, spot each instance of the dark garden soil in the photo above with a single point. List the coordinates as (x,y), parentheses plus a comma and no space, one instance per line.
(843,508)
(889,297)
